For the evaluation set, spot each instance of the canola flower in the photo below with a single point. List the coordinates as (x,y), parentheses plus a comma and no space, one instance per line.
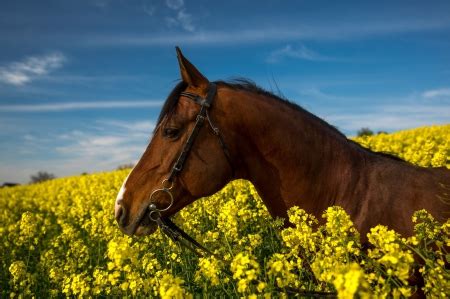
(425,146)
(59,239)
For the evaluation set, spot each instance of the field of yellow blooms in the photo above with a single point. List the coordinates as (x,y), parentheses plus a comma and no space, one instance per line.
(59,239)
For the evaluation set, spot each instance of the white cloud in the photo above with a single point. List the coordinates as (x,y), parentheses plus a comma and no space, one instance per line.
(185,20)
(175,4)
(182,18)
(101,146)
(114,143)
(101,3)
(317,93)
(29,137)
(261,34)
(31,68)
(301,52)
(55,107)
(388,113)
(436,93)
(149,9)
(390,117)
(136,126)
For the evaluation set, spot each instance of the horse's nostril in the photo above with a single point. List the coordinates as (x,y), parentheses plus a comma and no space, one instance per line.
(120,214)
(123,216)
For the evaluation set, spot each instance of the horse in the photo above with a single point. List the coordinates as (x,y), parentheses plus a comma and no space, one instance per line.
(209,133)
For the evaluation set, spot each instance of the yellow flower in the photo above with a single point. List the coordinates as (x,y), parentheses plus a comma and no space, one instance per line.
(60,239)
(245,269)
(347,280)
(171,287)
(209,269)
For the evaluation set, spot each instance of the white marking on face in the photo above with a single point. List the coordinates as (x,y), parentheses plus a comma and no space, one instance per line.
(121,192)
(120,196)
(122,189)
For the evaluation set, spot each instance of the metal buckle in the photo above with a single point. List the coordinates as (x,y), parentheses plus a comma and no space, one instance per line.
(204,103)
(177,168)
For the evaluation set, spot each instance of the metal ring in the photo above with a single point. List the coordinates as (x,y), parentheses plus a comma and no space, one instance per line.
(154,212)
(166,191)
(165,182)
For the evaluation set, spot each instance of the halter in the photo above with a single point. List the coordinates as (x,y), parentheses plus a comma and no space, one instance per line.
(167,184)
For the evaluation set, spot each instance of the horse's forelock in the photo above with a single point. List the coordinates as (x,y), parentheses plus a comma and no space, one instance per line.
(171,101)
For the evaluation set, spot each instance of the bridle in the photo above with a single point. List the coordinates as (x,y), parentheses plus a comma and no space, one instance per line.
(165,224)
(167,184)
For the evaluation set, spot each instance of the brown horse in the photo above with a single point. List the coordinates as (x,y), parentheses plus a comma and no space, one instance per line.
(292,157)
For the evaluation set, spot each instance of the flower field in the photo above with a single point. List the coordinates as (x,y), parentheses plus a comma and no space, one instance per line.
(59,238)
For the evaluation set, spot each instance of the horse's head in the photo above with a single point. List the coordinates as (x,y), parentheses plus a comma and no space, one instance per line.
(165,180)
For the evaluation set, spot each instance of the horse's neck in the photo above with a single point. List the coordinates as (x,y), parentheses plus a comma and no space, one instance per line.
(293,158)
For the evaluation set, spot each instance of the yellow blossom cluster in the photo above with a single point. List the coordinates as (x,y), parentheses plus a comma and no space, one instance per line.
(60,239)
(425,146)
(245,270)
(209,269)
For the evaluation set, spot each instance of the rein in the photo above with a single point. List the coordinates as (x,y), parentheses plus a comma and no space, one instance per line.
(166,225)
(179,236)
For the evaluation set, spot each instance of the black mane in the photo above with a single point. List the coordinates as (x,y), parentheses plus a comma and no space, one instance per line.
(250,86)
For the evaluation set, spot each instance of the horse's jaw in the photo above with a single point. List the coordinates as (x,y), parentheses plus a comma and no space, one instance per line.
(145,230)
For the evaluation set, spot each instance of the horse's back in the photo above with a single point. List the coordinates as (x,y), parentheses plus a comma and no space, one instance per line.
(397,189)
(441,179)
(424,188)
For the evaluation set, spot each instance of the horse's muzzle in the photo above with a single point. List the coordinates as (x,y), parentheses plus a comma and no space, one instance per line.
(140,227)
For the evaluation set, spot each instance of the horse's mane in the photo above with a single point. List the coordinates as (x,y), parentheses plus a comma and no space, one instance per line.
(250,86)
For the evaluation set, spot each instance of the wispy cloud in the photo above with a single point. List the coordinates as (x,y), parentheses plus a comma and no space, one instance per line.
(101,3)
(148,9)
(267,34)
(112,144)
(136,126)
(390,117)
(436,93)
(98,146)
(185,19)
(352,112)
(56,107)
(30,68)
(182,18)
(175,4)
(300,52)
(317,93)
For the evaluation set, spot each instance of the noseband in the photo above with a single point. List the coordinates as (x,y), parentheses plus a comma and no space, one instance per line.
(167,184)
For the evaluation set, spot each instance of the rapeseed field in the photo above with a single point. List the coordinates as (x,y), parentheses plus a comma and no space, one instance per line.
(59,239)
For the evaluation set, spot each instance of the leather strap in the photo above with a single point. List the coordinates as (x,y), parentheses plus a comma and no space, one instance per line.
(180,236)
(205,104)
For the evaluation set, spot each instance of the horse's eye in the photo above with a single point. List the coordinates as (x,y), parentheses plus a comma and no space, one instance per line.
(171,132)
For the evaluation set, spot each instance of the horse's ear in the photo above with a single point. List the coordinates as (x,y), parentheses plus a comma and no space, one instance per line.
(189,72)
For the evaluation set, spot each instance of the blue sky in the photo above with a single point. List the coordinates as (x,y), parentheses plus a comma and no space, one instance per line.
(82,82)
